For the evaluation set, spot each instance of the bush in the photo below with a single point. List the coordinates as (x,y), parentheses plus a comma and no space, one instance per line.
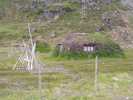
(109,50)
(70,55)
(55,52)
(43,47)
(70,6)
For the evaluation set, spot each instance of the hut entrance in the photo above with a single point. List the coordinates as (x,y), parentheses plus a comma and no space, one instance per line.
(89,47)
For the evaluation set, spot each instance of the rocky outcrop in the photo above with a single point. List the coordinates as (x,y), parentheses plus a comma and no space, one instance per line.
(123,36)
(127,3)
(114,18)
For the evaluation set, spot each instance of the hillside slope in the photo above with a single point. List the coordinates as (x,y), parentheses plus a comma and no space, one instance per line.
(113,19)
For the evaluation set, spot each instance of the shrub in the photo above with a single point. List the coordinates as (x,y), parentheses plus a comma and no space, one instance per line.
(109,49)
(70,55)
(70,6)
(55,52)
(43,47)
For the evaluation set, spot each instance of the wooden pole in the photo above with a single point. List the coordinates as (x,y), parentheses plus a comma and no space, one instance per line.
(29,30)
(96,74)
(38,64)
(40,82)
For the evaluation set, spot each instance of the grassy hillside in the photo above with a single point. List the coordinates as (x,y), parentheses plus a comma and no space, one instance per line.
(69,22)
(12,27)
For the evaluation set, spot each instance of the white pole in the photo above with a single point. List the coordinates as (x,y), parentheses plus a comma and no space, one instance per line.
(37,64)
(40,82)
(32,48)
(29,30)
(33,56)
(96,74)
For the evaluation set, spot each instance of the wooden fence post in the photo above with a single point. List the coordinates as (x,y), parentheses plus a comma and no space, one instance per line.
(40,82)
(96,73)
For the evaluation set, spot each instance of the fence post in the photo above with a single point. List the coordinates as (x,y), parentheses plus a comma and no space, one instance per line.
(40,83)
(96,74)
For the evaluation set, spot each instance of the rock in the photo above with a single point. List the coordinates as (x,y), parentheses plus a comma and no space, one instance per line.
(52,35)
(100,28)
(123,36)
(113,19)
(107,1)
(115,79)
(127,3)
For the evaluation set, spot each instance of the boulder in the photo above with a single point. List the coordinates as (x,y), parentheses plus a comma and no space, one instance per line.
(113,19)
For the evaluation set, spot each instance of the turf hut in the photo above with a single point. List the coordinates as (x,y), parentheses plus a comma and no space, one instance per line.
(76,42)
(81,45)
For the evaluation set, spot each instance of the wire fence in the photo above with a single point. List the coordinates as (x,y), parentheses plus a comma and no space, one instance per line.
(91,66)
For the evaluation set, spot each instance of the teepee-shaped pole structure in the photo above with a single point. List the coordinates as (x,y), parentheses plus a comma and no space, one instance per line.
(27,59)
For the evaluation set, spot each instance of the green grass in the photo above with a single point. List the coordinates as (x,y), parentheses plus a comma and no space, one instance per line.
(43,47)
(3,3)
(11,31)
(115,80)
